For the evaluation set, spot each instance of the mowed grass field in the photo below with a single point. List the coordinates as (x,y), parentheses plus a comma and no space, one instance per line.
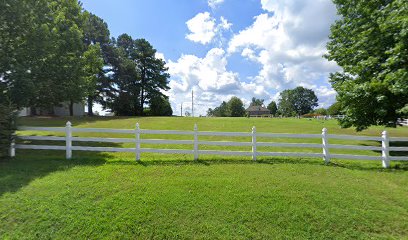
(111,196)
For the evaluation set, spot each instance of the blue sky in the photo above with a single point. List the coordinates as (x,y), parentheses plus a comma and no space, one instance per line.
(222,48)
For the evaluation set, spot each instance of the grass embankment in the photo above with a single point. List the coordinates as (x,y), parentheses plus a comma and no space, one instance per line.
(103,195)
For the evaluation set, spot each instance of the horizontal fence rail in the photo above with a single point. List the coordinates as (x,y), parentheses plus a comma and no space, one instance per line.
(325,146)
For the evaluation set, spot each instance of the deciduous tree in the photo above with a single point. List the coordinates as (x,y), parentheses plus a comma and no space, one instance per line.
(334,109)
(235,107)
(297,101)
(96,33)
(160,106)
(370,42)
(273,107)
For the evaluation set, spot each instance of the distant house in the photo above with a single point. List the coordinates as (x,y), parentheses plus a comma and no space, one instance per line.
(258,111)
(63,110)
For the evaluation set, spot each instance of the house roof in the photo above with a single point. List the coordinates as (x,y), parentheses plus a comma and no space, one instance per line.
(257,108)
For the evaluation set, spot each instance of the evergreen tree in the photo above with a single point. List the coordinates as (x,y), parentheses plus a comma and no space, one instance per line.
(151,71)
(138,76)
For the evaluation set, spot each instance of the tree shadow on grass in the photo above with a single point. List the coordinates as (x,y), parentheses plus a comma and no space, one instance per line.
(392,144)
(20,171)
(346,164)
(399,153)
(399,165)
(29,165)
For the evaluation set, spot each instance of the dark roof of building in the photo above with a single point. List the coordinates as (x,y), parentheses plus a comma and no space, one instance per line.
(257,108)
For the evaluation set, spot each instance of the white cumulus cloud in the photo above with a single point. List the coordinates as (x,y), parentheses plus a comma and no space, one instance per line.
(288,42)
(214,3)
(209,78)
(204,28)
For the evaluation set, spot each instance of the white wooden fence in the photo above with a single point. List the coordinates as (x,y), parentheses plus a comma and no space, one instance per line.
(325,146)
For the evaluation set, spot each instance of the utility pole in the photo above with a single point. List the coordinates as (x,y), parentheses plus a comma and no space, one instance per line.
(181,110)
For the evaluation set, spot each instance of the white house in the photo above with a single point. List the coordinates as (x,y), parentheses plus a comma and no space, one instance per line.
(63,110)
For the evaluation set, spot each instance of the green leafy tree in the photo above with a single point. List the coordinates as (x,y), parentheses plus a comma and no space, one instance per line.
(17,35)
(96,33)
(95,30)
(285,104)
(256,102)
(235,107)
(68,69)
(370,43)
(121,87)
(93,69)
(151,71)
(297,101)
(321,111)
(210,112)
(160,106)
(40,51)
(273,108)
(137,76)
(334,109)
(221,111)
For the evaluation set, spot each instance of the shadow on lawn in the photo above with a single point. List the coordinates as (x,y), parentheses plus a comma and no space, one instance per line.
(393,153)
(19,172)
(29,165)
(351,165)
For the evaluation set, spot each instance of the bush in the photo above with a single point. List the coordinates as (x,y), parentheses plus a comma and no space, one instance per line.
(8,115)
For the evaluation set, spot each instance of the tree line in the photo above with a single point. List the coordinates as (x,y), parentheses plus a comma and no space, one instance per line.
(292,102)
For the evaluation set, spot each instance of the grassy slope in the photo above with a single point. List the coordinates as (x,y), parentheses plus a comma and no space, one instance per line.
(103,195)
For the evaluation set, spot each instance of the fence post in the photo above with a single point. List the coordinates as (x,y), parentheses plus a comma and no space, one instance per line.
(385,150)
(325,144)
(137,135)
(68,140)
(254,143)
(195,142)
(13,146)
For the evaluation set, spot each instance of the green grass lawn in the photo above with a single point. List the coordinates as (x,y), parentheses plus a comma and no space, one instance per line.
(109,195)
